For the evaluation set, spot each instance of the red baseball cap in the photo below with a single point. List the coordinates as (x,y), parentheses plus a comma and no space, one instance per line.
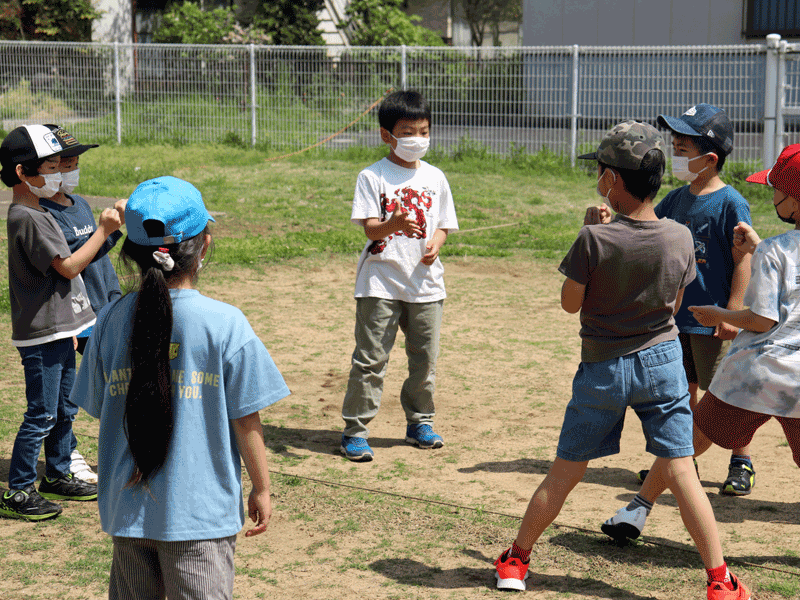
(785,173)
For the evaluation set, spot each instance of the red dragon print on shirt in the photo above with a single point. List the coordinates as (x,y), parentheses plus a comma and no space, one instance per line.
(411,201)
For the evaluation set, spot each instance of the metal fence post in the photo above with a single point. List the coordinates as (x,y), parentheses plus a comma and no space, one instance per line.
(403,68)
(771,100)
(117,93)
(780,100)
(253,125)
(573,134)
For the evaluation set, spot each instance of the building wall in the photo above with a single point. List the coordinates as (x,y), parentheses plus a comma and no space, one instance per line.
(632,22)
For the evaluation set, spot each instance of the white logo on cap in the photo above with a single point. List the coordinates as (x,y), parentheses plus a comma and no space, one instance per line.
(691,112)
(710,133)
(53,142)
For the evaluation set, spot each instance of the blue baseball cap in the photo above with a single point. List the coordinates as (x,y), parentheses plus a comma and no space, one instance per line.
(703,120)
(173,202)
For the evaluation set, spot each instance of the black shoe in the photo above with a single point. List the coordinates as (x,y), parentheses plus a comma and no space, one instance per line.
(67,487)
(741,480)
(642,475)
(27,504)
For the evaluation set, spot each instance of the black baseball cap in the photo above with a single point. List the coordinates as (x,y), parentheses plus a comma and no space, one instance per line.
(74,147)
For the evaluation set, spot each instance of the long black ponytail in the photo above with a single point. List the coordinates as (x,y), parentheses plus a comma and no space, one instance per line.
(149,419)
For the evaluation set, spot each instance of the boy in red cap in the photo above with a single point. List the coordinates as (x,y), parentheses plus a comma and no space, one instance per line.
(759,378)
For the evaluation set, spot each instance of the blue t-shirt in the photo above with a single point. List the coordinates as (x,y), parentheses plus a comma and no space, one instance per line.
(711,219)
(220,371)
(78,224)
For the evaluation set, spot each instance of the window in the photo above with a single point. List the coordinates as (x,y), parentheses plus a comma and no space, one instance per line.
(763,17)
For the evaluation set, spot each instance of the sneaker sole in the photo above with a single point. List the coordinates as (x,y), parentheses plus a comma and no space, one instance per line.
(416,442)
(621,532)
(15,515)
(734,492)
(365,457)
(51,496)
(511,584)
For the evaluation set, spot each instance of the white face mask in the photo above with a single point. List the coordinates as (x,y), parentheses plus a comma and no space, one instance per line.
(69,181)
(597,189)
(411,149)
(680,167)
(52,181)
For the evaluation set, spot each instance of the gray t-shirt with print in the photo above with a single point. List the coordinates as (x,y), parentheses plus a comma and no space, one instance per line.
(45,306)
(633,271)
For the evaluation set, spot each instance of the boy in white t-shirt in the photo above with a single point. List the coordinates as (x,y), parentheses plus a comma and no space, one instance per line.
(406,209)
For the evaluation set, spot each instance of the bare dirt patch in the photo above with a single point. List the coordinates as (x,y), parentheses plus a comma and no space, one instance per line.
(508,354)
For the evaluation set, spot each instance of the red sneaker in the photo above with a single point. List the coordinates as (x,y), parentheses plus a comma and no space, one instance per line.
(512,572)
(719,591)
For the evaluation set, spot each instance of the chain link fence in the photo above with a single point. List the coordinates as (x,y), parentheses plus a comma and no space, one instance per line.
(286,98)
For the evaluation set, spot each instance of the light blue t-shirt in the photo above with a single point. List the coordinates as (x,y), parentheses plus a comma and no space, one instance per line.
(711,219)
(761,371)
(220,371)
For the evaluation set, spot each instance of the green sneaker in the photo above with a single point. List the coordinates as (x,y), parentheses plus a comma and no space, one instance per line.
(28,505)
(67,487)
(741,480)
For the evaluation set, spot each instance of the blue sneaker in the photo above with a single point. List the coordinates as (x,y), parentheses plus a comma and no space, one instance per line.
(423,436)
(356,449)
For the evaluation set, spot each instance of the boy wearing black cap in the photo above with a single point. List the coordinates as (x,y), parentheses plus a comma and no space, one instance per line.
(627,279)
(75,217)
(49,305)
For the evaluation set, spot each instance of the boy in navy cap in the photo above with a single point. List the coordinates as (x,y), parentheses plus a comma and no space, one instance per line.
(74,215)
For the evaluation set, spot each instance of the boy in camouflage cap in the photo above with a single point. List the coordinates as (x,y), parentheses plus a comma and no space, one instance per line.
(626,277)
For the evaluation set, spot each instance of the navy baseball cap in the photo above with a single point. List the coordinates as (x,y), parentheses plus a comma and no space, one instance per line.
(173,202)
(703,120)
(73,146)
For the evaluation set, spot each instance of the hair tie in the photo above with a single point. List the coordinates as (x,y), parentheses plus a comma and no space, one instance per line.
(162,257)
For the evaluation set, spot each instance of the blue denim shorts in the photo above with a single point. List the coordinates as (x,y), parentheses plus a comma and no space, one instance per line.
(652,382)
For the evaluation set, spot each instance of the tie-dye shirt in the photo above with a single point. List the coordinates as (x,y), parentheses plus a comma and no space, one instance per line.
(761,371)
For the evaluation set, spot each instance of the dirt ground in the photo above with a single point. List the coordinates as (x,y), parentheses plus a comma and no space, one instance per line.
(508,354)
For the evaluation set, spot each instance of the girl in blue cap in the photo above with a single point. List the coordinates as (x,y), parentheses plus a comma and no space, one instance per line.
(177,380)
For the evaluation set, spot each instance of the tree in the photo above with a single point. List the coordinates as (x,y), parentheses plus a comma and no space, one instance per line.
(50,20)
(290,22)
(383,23)
(187,23)
(481,14)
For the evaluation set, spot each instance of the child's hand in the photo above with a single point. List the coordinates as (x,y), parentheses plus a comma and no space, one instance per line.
(597,214)
(726,331)
(745,238)
(405,222)
(708,316)
(110,220)
(431,251)
(259,509)
(119,206)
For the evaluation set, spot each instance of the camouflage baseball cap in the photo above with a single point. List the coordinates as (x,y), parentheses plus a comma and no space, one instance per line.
(625,145)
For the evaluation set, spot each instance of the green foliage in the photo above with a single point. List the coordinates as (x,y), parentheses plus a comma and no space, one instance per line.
(383,23)
(187,23)
(290,22)
(481,14)
(47,20)
(19,102)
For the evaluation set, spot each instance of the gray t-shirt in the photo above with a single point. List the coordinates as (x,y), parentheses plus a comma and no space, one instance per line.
(632,271)
(45,306)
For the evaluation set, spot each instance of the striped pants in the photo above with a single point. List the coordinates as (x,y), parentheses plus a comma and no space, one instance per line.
(143,569)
